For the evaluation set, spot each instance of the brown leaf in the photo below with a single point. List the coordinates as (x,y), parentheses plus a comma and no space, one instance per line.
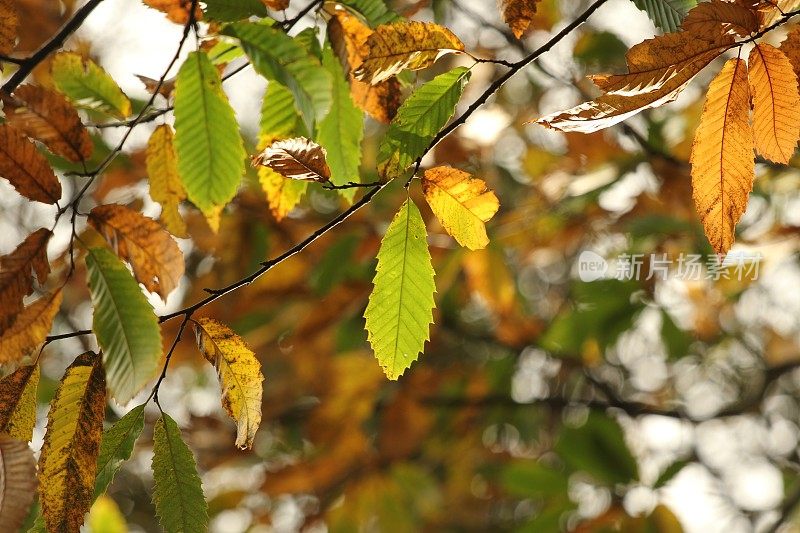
(298,159)
(48,117)
(29,329)
(141,241)
(718,16)
(722,155)
(518,14)
(277,5)
(18,402)
(18,482)
(26,168)
(150,85)
(176,10)
(9,23)
(16,280)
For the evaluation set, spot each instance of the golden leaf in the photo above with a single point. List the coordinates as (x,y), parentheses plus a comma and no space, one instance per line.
(17,484)
(282,194)
(26,168)
(141,241)
(68,462)
(166,187)
(48,117)
(176,10)
(791,48)
(348,36)
(718,16)
(18,402)
(16,280)
(518,14)
(461,203)
(9,23)
(722,155)
(776,103)
(239,374)
(29,329)
(405,45)
(298,159)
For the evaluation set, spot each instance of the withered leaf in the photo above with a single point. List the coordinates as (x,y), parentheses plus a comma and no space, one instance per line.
(16,278)
(298,158)
(29,329)
(518,14)
(18,482)
(26,168)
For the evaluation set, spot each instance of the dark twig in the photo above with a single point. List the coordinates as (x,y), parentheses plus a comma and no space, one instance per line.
(349,185)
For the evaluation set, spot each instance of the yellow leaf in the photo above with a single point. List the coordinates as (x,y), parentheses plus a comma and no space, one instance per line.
(9,23)
(29,329)
(176,10)
(16,280)
(461,203)
(518,14)
(68,463)
(722,155)
(17,484)
(48,117)
(282,195)
(405,45)
(166,187)
(239,375)
(18,402)
(26,168)
(105,517)
(776,103)
(297,159)
(152,252)
(708,18)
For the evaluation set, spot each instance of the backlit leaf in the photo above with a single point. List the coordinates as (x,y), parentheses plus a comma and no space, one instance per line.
(298,159)
(124,323)
(26,168)
(117,446)
(9,23)
(722,155)
(405,45)
(400,307)
(68,462)
(18,402)
(141,241)
(16,274)
(791,48)
(177,494)
(176,10)
(88,85)
(29,329)
(666,14)
(208,146)
(166,187)
(719,16)
(18,482)
(518,14)
(461,203)
(776,103)
(239,374)
(374,11)
(418,121)
(48,117)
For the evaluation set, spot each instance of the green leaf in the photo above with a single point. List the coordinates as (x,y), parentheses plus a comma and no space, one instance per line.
(278,57)
(342,130)
(532,478)
(124,323)
(88,85)
(279,118)
(666,14)
(117,446)
(177,494)
(208,146)
(400,307)
(418,121)
(374,11)
(670,472)
(232,10)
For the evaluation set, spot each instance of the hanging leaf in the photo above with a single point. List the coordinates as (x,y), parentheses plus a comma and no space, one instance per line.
(18,402)
(348,37)
(233,10)
(141,241)
(48,117)
(718,16)
(150,85)
(105,517)
(165,183)
(722,155)
(400,307)
(88,85)
(412,45)
(297,159)
(239,374)
(29,329)
(17,484)
(176,10)
(26,168)
(16,279)
(776,103)
(374,12)
(124,323)
(208,146)
(177,494)
(518,14)
(666,14)
(116,447)
(9,24)
(418,121)
(278,57)
(461,203)
(791,48)
(68,462)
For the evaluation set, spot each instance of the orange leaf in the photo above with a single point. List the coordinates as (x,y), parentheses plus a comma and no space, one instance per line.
(16,280)
(141,241)
(722,155)
(277,5)
(298,159)
(709,18)
(26,168)
(30,328)
(518,14)
(791,48)
(776,103)
(9,23)
(176,10)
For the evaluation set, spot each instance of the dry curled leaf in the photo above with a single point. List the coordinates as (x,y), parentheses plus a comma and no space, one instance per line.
(298,159)
(26,168)
(16,278)
(17,483)
(518,14)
